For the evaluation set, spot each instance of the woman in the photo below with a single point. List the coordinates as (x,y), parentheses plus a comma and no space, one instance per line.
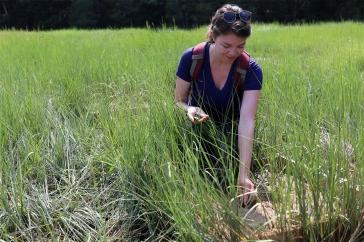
(214,94)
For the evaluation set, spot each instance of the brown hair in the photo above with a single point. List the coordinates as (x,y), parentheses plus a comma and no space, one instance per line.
(218,26)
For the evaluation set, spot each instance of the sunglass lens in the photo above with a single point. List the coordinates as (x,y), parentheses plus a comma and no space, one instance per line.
(245,15)
(229,17)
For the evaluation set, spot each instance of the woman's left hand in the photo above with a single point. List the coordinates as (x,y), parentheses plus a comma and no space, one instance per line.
(245,188)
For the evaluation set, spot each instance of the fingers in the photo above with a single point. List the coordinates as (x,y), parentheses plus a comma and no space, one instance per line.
(201,116)
(191,116)
(204,118)
(197,115)
(246,196)
(246,199)
(249,189)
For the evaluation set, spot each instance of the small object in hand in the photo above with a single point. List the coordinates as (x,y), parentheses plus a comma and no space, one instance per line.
(197,116)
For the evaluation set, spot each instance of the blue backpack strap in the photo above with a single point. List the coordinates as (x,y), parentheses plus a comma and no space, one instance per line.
(240,73)
(197,60)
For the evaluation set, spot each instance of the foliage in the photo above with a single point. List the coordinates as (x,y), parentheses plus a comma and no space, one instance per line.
(92,147)
(52,14)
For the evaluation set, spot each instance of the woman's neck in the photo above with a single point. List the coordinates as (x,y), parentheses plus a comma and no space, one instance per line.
(216,59)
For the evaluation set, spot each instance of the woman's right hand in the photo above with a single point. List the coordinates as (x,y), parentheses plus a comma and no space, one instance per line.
(196,115)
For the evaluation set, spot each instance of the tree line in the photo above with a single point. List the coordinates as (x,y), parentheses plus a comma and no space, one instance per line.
(54,14)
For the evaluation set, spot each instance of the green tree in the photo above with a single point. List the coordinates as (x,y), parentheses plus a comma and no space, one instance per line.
(84,14)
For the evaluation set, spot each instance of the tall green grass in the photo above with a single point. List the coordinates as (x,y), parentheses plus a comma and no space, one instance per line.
(92,146)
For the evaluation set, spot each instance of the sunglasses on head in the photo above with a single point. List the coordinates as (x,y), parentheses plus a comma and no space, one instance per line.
(230,17)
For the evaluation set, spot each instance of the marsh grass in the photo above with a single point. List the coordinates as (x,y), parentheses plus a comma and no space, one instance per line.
(93,148)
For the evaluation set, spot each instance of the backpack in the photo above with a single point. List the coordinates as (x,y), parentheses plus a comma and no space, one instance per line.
(240,72)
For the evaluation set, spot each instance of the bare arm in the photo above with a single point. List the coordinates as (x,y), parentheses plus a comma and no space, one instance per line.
(246,126)
(181,92)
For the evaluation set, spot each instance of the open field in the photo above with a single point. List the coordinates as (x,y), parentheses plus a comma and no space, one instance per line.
(93,148)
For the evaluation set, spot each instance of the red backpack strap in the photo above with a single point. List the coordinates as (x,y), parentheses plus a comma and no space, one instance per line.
(241,70)
(197,60)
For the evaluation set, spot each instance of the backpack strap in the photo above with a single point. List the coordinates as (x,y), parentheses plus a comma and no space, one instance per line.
(241,67)
(197,60)
(240,73)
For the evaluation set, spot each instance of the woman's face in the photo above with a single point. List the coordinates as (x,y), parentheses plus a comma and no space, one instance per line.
(229,46)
